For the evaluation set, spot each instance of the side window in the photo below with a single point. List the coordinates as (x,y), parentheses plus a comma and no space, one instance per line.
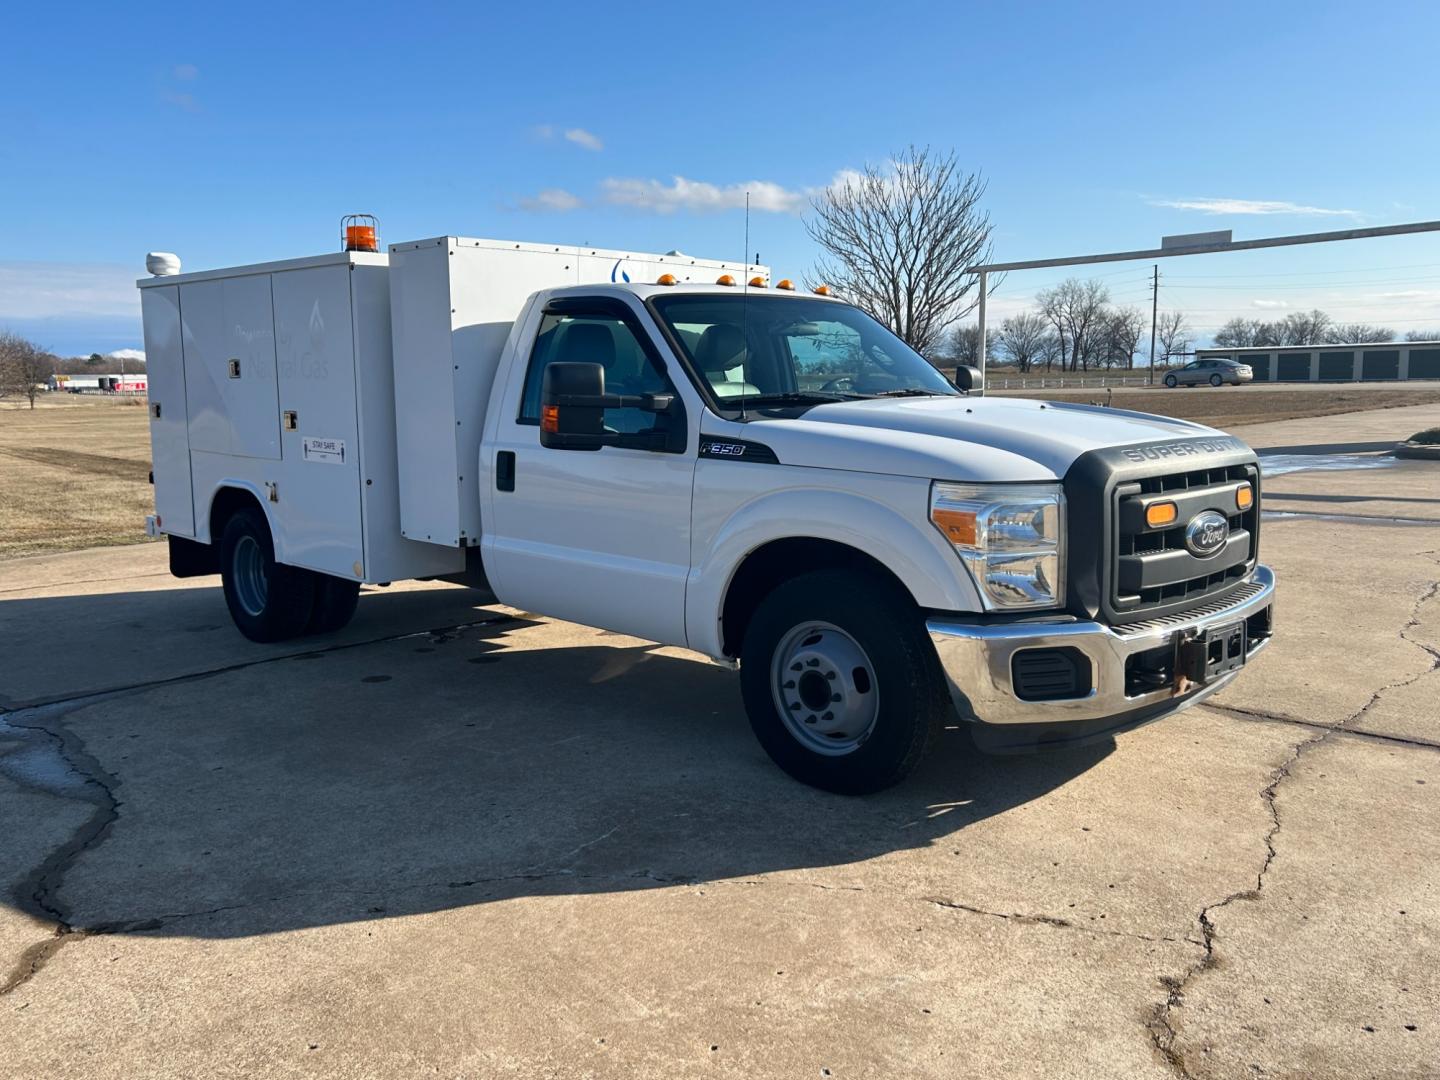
(596,339)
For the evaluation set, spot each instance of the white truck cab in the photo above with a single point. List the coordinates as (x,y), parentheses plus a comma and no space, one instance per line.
(766,476)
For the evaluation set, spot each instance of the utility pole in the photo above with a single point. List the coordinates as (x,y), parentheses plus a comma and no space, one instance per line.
(1154,310)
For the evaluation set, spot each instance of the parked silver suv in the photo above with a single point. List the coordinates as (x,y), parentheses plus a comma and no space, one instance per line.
(1214,372)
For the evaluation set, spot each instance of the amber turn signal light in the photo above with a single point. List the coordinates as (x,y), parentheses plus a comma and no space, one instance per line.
(1158,515)
(957,525)
(1244,497)
(550,419)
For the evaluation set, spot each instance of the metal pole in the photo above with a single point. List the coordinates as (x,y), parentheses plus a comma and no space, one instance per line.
(1154,309)
(980,334)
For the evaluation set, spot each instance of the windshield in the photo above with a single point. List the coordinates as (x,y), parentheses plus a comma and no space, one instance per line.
(760,349)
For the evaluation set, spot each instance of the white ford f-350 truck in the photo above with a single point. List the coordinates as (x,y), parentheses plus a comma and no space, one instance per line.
(671,448)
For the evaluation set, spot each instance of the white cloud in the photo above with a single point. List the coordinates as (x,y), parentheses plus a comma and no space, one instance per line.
(701,197)
(581,137)
(127,354)
(556,200)
(185,72)
(34,290)
(1269,305)
(1252,206)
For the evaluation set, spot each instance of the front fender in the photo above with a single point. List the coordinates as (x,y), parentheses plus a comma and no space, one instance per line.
(886,518)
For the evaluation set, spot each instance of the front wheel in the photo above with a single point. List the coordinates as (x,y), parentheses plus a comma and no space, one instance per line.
(841,684)
(1171,381)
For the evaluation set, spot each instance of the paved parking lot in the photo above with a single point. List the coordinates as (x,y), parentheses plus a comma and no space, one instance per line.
(469,842)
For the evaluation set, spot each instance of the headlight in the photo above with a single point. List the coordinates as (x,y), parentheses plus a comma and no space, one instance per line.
(1011,536)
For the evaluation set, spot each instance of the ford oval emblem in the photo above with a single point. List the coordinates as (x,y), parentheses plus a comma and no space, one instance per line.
(1206,534)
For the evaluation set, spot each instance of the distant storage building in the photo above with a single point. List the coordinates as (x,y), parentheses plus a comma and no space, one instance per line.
(1385,362)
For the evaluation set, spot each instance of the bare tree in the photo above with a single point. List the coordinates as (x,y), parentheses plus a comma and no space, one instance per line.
(1173,335)
(1423,335)
(1358,334)
(897,241)
(965,345)
(1075,309)
(24,366)
(1304,328)
(1118,336)
(1238,333)
(1023,339)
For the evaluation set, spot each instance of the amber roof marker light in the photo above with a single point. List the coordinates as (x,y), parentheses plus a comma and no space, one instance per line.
(725,279)
(822,290)
(786,284)
(665,279)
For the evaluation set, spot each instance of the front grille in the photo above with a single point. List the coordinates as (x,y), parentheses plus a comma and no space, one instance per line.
(1153,570)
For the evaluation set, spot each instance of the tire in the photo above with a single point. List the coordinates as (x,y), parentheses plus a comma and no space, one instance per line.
(1216,380)
(833,629)
(335,601)
(269,601)
(1171,381)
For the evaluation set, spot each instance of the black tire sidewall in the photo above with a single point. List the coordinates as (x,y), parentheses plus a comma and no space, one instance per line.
(1216,380)
(335,602)
(289,593)
(1171,381)
(886,624)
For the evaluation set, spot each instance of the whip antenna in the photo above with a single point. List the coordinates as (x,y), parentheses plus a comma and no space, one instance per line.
(745,308)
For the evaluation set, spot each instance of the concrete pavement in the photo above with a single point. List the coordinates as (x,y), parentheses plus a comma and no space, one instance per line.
(465,841)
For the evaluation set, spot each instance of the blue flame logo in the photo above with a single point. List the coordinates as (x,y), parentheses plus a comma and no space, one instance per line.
(616,270)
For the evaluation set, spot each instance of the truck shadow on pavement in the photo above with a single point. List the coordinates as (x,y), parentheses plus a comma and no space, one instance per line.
(461,767)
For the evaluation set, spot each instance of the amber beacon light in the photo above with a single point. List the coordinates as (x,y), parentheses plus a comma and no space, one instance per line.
(360,232)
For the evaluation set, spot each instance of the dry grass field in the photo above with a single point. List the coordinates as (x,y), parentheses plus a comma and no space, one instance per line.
(73,473)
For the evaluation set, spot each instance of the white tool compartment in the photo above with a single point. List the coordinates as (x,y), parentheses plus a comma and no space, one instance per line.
(453,303)
(277,379)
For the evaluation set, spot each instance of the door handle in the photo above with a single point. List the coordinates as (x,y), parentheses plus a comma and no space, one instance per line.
(505,470)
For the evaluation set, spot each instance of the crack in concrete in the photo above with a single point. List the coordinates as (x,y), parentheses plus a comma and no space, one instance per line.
(1260,715)
(37,893)
(1052,921)
(243,665)
(1163,1033)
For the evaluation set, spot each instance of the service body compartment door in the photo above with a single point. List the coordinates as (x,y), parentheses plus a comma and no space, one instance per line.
(169,429)
(320,481)
(230,366)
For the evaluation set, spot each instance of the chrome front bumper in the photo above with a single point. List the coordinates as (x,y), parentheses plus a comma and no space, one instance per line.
(977,659)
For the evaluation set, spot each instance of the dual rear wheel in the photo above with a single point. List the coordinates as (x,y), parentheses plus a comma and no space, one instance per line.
(270,601)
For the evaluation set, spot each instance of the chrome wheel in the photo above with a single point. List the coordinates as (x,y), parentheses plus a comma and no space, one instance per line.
(251,584)
(824,688)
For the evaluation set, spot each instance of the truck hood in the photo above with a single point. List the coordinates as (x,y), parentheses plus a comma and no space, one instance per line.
(955,438)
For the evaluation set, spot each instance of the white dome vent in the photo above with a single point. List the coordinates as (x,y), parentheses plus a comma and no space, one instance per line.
(162,263)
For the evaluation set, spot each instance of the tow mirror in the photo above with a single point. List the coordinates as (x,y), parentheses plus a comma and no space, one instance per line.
(572,411)
(970,380)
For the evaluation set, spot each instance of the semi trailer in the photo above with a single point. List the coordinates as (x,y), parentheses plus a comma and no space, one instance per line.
(677,449)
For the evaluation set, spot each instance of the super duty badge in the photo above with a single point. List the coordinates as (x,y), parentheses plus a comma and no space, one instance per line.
(1184,448)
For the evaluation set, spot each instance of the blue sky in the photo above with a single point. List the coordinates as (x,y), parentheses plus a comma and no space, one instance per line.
(241,133)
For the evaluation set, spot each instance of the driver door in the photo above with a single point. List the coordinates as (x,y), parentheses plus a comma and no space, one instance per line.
(598,537)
